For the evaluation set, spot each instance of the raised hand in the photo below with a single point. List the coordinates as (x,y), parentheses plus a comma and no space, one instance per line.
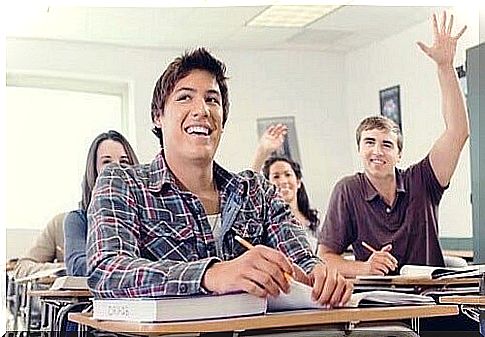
(273,138)
(444,43)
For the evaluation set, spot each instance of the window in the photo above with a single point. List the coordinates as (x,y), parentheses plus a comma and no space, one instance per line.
(49,131)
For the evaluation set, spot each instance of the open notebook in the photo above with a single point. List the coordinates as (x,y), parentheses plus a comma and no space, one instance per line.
(185,308)
(428,272)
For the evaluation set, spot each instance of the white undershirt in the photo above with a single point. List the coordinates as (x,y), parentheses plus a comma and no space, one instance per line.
(215,223)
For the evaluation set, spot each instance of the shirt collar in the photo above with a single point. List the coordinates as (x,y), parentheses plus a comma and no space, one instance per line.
(160,176)
(370,191)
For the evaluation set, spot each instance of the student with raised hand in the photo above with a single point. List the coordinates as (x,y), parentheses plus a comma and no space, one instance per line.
(47,251)
(394,212)
(169,227)
(287,176)
(108,147)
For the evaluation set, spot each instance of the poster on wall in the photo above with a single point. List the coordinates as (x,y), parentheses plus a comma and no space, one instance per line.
(289,148)
(391,104)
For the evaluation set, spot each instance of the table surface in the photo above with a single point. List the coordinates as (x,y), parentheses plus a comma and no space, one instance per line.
(272,320)
(469,299)
(418,281)
(60,293)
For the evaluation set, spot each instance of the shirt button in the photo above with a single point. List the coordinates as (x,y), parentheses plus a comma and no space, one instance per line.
(388,210)
(183,288)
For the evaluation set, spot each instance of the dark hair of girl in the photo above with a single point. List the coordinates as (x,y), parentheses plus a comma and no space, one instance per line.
(91,172)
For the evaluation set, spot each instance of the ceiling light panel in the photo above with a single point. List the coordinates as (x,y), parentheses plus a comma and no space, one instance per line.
(290,16)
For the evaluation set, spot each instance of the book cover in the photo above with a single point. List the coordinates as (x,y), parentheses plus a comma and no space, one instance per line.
(181,308)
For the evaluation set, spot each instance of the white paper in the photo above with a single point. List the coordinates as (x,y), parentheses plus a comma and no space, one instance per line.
(299,297)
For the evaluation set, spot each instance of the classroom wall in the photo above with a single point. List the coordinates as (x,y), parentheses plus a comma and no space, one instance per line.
(327,93)
(399,61)
(307,85)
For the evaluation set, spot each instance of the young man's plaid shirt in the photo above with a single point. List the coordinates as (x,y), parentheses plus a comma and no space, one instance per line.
(147,237)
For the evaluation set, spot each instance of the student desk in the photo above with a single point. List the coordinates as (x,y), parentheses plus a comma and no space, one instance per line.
(421,285)
(476,305)
(23,305)
(465,254)
(269,321)
(478,301)
(55,302)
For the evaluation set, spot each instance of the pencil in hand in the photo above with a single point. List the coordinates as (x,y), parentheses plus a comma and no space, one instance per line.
(249,246)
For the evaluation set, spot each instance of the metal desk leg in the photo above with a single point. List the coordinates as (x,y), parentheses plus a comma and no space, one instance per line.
(16,311)
(28,306)
(415,324)
(81,332)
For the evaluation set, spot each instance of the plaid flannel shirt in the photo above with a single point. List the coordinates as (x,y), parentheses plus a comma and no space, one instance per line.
(147,237)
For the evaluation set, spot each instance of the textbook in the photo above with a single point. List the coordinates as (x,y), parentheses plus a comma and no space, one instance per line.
(441,272)
(427,272)
(300,298)
(185,308)
(179,308)
(70,283)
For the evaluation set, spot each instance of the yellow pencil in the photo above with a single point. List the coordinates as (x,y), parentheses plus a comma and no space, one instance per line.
(249,246)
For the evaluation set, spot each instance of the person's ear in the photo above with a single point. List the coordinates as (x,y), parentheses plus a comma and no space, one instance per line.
(157,122)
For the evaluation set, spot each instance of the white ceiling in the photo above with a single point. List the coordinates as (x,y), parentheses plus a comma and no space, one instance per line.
(345,29)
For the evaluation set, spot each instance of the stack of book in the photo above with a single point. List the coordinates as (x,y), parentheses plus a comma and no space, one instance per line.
(184,308)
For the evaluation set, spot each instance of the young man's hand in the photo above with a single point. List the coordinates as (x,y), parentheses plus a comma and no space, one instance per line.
(330,288)
(444,44)
(381,262)
(259,271)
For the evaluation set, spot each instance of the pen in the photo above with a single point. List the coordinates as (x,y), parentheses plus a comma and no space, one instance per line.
(249,246)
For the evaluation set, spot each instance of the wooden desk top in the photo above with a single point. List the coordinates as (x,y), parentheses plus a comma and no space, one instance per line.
(466,254)
(60,293)
(273,320)
(414,281)
(470,300)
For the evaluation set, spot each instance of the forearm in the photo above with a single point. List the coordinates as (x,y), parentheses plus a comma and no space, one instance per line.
(76,264)
(259,158)
(26,267)
(347,268)
(453,103)
(121,276)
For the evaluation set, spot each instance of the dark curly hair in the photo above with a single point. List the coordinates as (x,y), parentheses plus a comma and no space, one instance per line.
(179,68)
(302,199)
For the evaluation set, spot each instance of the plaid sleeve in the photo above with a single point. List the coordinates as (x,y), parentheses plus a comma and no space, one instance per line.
(115,266)
(284,231)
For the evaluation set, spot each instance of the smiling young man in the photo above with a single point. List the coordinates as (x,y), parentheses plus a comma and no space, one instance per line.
(394,212)
(168,228)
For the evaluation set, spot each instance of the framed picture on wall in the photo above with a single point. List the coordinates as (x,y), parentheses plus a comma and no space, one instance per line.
(289,148)
(391,104)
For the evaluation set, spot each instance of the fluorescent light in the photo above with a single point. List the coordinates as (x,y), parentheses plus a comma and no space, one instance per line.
(290,16)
